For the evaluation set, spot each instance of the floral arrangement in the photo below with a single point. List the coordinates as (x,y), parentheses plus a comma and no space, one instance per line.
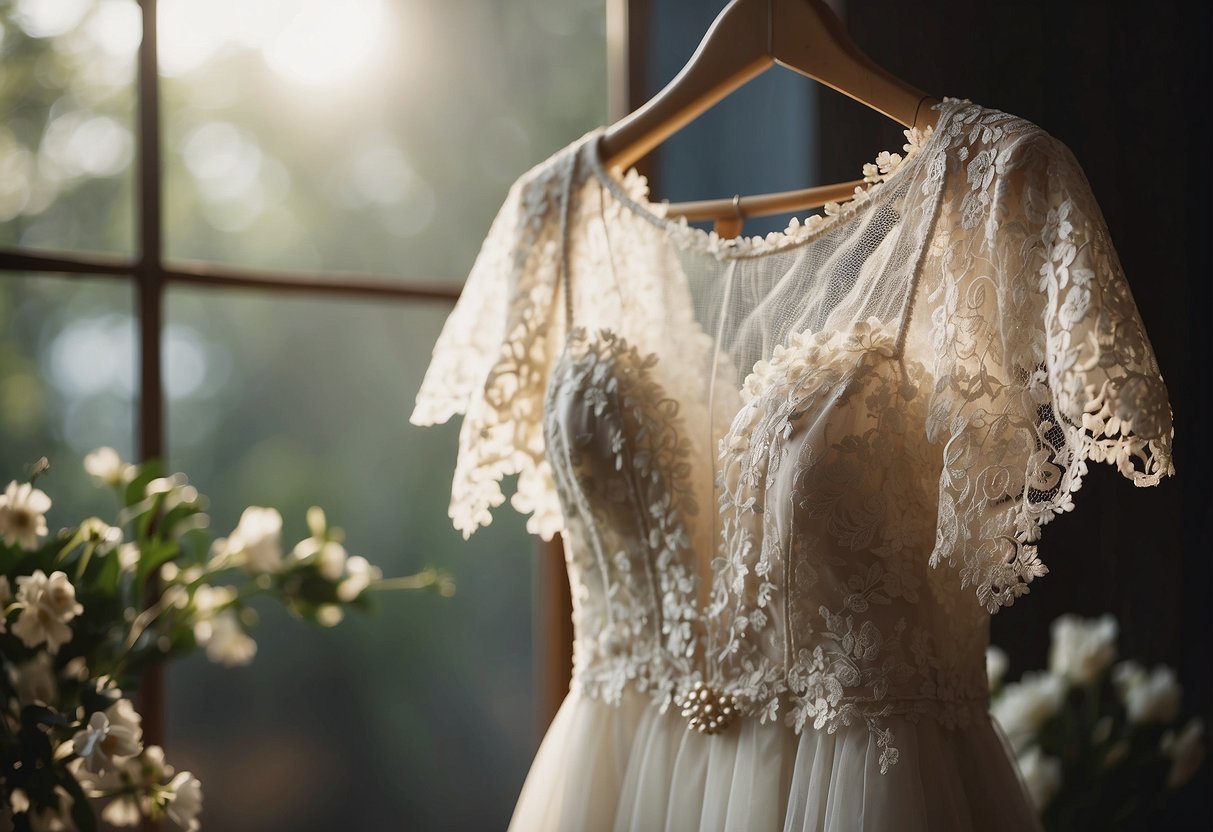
(1100,743)
(88,610)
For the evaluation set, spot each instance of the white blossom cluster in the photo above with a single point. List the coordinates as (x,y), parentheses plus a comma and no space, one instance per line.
(101,745)
(107,754)
(1082,655)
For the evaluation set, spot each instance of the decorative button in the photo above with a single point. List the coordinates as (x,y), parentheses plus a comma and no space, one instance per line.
(708,710)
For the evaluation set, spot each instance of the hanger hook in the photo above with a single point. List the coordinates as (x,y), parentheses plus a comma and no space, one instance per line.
(740,214)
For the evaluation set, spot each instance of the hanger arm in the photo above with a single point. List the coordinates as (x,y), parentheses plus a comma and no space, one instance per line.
(808,38)
(733,51)
(746,39)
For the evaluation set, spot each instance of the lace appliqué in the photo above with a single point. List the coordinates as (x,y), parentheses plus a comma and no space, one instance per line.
(494,372)
(857,665)
(1043,362)
(628,461)
(634,191)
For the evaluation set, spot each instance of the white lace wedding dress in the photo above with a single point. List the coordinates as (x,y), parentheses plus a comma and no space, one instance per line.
(794,475)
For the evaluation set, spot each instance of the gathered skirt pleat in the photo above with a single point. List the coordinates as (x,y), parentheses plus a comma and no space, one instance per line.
(630,768)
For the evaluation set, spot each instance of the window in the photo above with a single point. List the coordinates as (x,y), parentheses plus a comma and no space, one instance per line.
(226,303)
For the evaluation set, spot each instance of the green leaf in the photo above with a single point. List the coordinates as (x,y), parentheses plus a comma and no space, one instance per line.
(108,576)
(153,555)
(136,489)
(143,524)
(32,715)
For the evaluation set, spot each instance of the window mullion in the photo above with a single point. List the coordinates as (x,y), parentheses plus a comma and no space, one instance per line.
(149,289)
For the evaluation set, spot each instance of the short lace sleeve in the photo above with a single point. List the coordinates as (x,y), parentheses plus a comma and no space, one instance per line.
(1041,363)
(491,360)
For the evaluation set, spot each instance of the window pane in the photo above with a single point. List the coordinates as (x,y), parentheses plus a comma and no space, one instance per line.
(67,378)
(370,135)
(67,139)
(384,722)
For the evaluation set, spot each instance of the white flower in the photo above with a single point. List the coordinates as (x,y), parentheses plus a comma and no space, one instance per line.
(1041,774)
(359,575)
(34,681)
(1026,705)
(1186,751)
(105,466)
(22,515)
(329,615)
(330,560)
(122,810)
(185,801)
(317,523)
(47,605)
(97,531)
(160,485)
(225,640)
(136,777)
(113,733)
(1082,648)
(257,540)
(1148,698)
(208,599)
(152,766)
(996,666)
(128,557)
(44,818)
(184,494)
(76,669)
(329,555)
(175,596)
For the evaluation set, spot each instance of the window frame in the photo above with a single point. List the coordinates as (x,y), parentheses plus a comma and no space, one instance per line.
(150,275)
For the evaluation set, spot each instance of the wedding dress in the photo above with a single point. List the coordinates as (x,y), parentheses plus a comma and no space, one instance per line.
(795,474)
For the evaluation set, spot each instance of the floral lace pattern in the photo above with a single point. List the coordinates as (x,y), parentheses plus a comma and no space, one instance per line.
(777,539)
(1041,359)
(828,628)
(633,191)
(493,367)
(622,451)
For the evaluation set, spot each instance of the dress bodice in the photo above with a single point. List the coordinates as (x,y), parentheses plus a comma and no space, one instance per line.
(764,455)
(823,609)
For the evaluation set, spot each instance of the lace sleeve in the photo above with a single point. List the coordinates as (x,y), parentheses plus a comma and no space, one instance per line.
(491,362)
(1042,363)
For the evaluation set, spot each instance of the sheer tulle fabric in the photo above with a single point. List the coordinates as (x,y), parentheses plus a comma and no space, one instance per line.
(631,768)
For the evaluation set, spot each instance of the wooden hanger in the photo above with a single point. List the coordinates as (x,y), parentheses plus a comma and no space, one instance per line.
(747,38)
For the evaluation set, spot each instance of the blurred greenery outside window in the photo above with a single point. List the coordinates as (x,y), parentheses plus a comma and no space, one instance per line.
(367,136)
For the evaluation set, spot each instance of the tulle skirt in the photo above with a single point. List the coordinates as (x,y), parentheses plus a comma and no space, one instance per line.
(630,767)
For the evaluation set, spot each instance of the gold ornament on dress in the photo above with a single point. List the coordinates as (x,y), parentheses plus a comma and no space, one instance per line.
(708,710)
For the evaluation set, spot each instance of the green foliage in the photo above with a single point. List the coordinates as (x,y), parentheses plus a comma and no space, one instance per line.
(136,595)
